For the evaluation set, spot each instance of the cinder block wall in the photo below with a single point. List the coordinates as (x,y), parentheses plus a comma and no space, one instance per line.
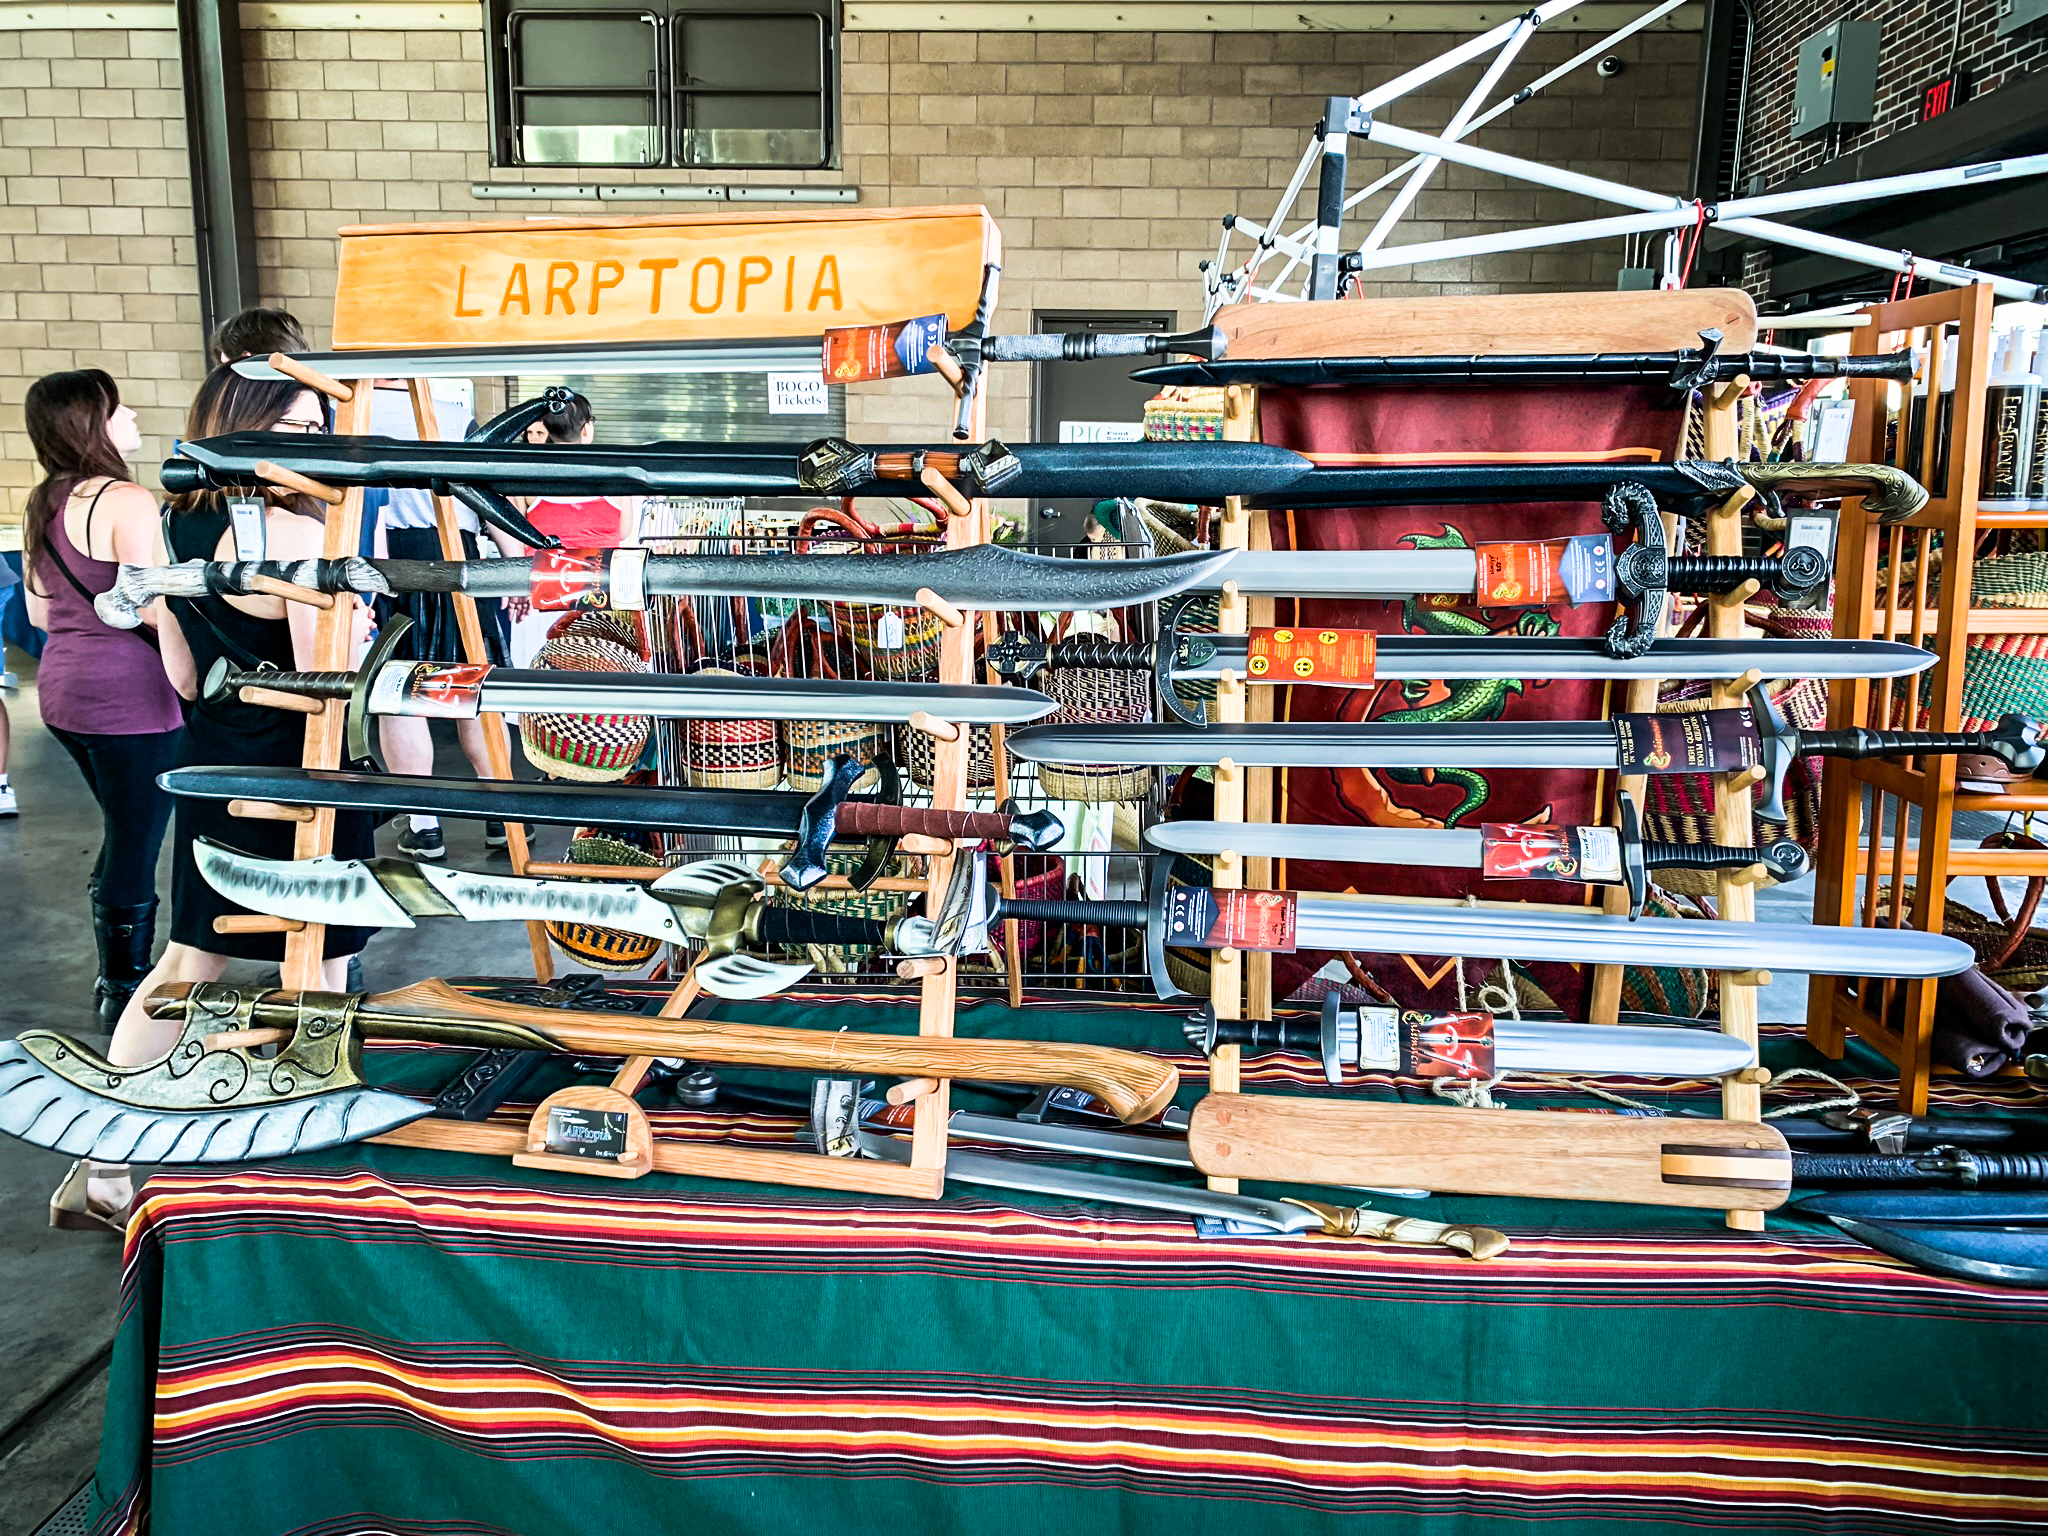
(1108,159)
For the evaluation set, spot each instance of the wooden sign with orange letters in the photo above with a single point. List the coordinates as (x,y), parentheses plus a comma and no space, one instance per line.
(664,277)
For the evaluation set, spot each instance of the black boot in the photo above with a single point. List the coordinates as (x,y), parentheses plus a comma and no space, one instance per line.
(125,936)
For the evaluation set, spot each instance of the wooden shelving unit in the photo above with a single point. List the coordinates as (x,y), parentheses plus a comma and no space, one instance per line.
(1889,866)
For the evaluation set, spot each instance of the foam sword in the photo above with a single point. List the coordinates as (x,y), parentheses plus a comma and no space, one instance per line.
(1618,855)
(213,1099)
(1756,736)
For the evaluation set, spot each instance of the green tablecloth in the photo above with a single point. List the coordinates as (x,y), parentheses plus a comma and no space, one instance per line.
(389,1340)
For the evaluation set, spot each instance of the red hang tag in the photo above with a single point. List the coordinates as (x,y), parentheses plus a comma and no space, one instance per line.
(1199,918)
(1543,572)
(1447,1045)
(1311,655)
(853,353)
(1590,855)
(429,689)
(1715,741)
(571,578)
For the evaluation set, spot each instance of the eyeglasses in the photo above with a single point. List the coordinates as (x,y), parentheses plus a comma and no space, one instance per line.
(298,424)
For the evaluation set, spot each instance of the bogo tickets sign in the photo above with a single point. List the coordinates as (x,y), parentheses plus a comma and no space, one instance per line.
(797,394)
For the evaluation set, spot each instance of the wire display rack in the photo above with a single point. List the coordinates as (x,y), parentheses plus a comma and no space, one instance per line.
(1102,855)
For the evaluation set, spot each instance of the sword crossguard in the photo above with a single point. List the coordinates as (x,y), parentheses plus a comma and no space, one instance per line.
(804,865)
(1641,571)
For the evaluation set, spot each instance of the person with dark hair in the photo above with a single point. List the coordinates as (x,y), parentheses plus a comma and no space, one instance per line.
(103,692)
(406,529)
(249,632)
(256,332)
(584,522)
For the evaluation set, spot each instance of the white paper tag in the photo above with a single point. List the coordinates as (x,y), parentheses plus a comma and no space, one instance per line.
(889,631)
(1812,529)
(629,578)
(1600,850)
(245,516)
(797,394)
(1379,1038)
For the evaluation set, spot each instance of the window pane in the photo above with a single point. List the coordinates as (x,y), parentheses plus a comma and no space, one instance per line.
(587,130)
(586,52)
(752,53)
(754,130)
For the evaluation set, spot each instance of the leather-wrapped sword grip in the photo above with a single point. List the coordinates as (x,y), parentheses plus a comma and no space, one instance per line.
(1785,859)
(797,927)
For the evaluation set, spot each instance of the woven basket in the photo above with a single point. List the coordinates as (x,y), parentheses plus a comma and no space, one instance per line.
(808,746)
(1185,413)
(913,633)
(1096,696)
(920,759)
(2005,674)
(592,749)
(607,949)
(731,754)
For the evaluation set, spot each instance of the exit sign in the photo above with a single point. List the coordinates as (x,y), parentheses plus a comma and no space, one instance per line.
(1944,95)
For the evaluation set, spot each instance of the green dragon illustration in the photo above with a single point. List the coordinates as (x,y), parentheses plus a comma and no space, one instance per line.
(1483,698)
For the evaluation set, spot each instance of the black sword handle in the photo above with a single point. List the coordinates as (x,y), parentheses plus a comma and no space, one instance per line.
(2014,741)
(224,680)
(1109,914)
(1302,1033)
(796,927)
(1017,658)
(1785,859)
(1791,575)
(1945,1167)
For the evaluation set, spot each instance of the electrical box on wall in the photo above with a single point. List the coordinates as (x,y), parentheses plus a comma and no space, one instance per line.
(2014,14)
(1837,81)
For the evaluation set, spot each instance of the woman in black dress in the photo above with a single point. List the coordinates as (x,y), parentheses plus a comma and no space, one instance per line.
(250,632)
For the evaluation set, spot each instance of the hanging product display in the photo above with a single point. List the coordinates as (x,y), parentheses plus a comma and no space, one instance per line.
(1717,740)
(1617,855)
(979,576)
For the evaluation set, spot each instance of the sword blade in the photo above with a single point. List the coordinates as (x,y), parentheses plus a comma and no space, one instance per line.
(513,690)
(1331,923)
(43,1109)
(1617,1050)
(1496,744)
(1383,573)
(1397,657)
(389,894)
(1452,848)
(750,813)
(1999,1256)
(984,576)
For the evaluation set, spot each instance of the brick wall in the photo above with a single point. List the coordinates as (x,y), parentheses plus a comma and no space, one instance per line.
(96,258)
(1914,51)
(1107,158)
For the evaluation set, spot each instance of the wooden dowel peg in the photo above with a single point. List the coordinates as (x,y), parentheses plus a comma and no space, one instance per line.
(231,1039)
(1226,956)
(939,608)
(1737,596)
(270,810)
(312,378)
(547,871)
(932,726)
(911,1088)
(947,367)
(1229,685)
(921,966)
(291,592)
(900,883)
(924,843)
(1758,1077)
(1228,866)
(1746,978)
(948,493)
(255,922)
(270,698)
(1233,600)
(1751,874)
(1747,681)
(1743,778)
(292,480)
(1225,771)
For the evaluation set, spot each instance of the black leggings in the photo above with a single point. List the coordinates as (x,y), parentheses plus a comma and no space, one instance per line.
(121,773)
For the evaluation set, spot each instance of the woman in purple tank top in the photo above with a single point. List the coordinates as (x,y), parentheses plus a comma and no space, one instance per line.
(103,692)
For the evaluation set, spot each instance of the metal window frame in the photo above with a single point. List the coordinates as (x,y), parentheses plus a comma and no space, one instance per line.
(685,95)
(504,91)
(658,94)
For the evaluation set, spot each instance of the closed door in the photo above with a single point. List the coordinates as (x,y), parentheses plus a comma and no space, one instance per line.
(1095,401)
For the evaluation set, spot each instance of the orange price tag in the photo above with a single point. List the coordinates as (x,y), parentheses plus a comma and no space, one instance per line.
(1311,655)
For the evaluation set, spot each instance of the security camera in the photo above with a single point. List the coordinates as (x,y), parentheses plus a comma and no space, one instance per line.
(1609,67)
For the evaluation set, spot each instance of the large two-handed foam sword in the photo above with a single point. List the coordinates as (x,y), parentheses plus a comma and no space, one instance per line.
(1755,736)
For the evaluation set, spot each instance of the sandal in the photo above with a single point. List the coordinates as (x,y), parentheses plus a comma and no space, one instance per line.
(72,1209)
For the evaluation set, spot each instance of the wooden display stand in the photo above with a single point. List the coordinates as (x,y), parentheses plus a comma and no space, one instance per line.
(875,242)
(1884,579)
(1508,323)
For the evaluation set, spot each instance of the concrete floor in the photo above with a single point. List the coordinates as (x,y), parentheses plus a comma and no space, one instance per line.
(59,1290)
